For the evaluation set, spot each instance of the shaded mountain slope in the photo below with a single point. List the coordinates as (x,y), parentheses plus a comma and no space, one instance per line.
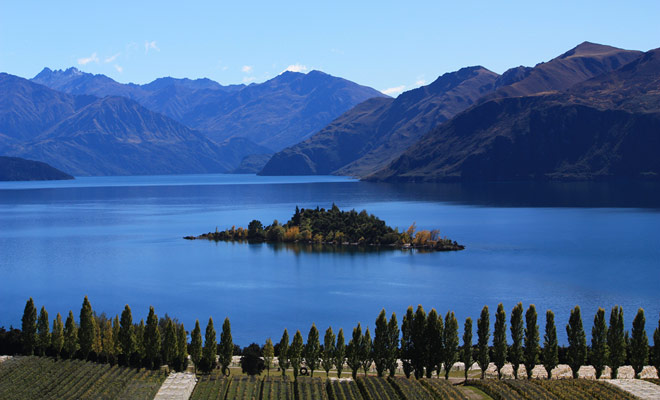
(370,135)
(604,128)
(19,169)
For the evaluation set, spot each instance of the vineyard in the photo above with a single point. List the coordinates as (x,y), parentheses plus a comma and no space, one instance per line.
(565,389)
(46,378)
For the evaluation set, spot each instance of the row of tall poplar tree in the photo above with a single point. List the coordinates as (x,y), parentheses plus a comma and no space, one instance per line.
(426,344)
(121,341)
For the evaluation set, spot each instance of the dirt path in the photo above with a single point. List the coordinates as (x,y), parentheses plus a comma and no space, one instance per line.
(177,386)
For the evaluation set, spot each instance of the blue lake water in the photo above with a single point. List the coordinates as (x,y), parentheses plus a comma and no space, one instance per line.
(119,240)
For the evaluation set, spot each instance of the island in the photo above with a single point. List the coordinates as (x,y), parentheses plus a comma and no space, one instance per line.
(335,227)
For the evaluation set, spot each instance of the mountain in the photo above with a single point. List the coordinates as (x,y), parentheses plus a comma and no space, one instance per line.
(604,128)
(376,131)
(277,113)
(19,169)
(84,135)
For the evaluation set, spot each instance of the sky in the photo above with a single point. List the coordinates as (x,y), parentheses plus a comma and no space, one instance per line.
(391,46)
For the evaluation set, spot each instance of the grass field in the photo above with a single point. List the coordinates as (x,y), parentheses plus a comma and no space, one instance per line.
(565,389)
(45,378)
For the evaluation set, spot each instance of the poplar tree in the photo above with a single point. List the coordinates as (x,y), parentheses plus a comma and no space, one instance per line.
(381,342)
(108,343)
(531,350)
(466,352)
(639,344)
(182,348)
(226,346)
(115,334)
(499,340)
(57,337)
(616,340)
(169,350)
(450,342)
(434,337)
(550,344)
(339,357)
(328,351)
(152,340)
(70,336)
(97,345)
(656,349)
(210,348)
(353,351)
(269,354)
(283,358)
(483,334)
(366,351)
(43,332)
(86,331)
(577,341)
(420,348)
(393,344)
(599,350)
(312,350)
(29,328)
(126,335)
(196,345)
(516,351)
(139,338)
(407,342)
(295,354)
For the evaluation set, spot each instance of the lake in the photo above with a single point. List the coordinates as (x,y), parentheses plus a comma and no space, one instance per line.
(119,241)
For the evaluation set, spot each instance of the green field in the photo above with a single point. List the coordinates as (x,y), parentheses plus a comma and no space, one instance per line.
(565,389)
(46,378)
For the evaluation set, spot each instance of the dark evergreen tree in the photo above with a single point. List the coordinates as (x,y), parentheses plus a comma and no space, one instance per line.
(516,350)
(466,351)
(70,336)
(616,340)
(550,344)
(450,342)
(269,353)
(353,351)
(312,350)
(57,336)
(152,340)
(577,341)
(181,346)
(381,344)
(434,339)
(196,345)
(656,349)
(393,344)
(43,332)
(283,357)
(29,328)
(639,344)
(126,335)
(328,351)
(226,346)
(366,351)
(483,334)
(86,331)
(251,361)
(407,342)
(210,349)
(169,349)
(499,340)
(295,353)
(420,347)
(599,350)
(339,357)
(115,334)
(108,343)
(531,350)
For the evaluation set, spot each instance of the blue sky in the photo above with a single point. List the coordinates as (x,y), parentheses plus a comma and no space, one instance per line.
(391,46)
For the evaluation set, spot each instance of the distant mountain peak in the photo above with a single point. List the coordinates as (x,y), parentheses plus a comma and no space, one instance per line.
(589,49)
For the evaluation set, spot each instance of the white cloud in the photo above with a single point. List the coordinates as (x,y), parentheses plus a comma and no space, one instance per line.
(119,68)
(249,79)
(111,58)
(420,82)
(393,90)
(296,68)
(247,69)
(87,60)
(150,46)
